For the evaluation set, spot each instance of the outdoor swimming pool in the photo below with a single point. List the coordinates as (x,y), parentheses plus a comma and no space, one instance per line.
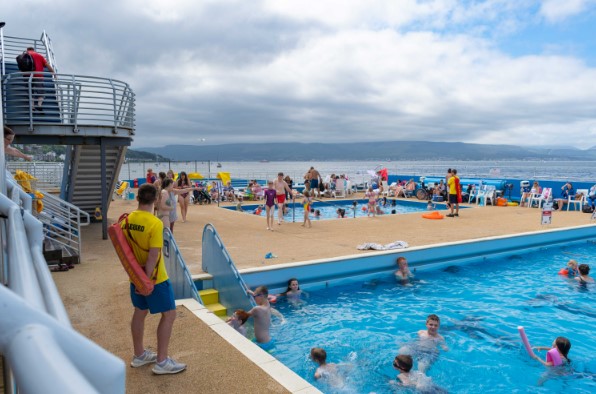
(363,325)
(329,208)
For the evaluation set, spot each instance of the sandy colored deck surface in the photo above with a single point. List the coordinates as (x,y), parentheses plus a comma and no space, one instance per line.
(96,291)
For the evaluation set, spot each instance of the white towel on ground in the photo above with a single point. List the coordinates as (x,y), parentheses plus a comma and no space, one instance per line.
(389,246)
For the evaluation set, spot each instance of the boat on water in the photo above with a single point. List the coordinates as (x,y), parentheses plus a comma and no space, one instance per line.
(218,165)
(264,161)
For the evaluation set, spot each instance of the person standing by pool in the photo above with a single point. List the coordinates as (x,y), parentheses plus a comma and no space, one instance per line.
(270,195)
(315,180)
(145,236)
(184,198)
(454,193)
(306,205)
(372,201)
(281,187)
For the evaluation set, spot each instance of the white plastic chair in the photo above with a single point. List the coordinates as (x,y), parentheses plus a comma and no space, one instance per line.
(340,188)
(545,196)
(486,193)
(580,202)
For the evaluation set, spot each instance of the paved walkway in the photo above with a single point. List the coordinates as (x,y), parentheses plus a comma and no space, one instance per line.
(96,291)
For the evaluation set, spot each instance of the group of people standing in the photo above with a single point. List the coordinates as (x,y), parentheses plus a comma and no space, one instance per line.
(171,193)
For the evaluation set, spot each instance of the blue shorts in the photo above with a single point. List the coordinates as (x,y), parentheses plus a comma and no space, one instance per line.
(314,183)
(161,300)
(268,347)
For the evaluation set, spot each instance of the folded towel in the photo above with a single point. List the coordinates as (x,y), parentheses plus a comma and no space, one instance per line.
(389,246)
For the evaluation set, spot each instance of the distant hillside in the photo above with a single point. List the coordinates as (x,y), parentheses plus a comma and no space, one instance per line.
(139,155)
(390,150)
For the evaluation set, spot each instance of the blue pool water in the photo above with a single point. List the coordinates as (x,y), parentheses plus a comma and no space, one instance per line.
(328,209)
(363,325)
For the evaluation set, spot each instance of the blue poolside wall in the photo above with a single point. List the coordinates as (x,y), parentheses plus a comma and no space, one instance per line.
(322,273)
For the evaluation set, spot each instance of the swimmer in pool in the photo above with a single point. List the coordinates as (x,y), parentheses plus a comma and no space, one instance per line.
(429,341)
(562,346)
(293,292)
(326,371)
(572,269)
(261,315)
(416,379)
(237,320)
(584,274)
(403,274)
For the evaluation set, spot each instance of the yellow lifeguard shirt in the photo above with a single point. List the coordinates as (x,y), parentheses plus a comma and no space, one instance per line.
(147,231)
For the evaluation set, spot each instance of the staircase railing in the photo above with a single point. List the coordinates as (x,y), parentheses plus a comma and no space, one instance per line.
(73,100)
(48,174)
(180,277)
(62,223)
(32,316)
(11,47)
(226,278)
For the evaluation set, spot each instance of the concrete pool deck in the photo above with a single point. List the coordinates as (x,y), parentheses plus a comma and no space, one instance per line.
(96,291)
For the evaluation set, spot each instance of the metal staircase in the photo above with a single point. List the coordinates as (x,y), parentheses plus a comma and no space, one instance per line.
(82,174)
(93,116)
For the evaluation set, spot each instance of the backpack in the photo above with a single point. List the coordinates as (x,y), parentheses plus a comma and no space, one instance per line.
(25,62)
(587,209)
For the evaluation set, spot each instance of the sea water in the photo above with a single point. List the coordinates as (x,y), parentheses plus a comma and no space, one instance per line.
(362,326)
(358,171)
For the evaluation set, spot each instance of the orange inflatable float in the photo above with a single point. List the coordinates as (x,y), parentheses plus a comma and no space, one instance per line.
(501,202)
(143,284)
(435,215)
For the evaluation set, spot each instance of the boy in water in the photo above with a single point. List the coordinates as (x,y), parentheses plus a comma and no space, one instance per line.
(408,378)
(430,339)
(326,371)
(403,274)
(261,315)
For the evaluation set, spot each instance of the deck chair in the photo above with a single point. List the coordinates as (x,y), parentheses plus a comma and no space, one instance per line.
(122,189)
(579,202)
(486,193)
(545,196)
(340,189)
(385,185)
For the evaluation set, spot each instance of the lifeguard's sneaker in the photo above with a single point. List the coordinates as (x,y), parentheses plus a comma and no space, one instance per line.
(168,366)
(147,357)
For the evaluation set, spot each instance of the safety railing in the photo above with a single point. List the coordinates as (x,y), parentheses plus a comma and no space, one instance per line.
(48,174)
(32,316)
(62,223)
(74,100)
(180,277)
(11,47)
(226,278)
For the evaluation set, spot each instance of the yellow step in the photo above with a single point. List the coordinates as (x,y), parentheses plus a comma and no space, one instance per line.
(209,296)
(218,309)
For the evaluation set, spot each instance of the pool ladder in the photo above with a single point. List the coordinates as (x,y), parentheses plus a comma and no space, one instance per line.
(210,299)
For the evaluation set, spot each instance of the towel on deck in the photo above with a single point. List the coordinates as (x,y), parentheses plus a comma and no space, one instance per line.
(389,246)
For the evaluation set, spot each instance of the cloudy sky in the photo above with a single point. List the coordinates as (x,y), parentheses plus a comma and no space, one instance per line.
(497,71)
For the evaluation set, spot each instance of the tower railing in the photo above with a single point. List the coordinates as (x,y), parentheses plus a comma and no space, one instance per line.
(73,100)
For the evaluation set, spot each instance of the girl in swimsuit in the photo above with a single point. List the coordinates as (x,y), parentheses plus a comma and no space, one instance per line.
(372,201)
(561,347)
(270,194)
(166,210)
(306,204)
(184,198)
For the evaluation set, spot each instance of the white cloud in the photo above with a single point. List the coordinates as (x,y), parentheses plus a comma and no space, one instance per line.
(558,10)
(312,70)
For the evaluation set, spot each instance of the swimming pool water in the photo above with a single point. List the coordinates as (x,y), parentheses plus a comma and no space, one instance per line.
(328,209)
(363,325)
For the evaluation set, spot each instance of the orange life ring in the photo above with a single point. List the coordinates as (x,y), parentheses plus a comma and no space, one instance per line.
(435,215)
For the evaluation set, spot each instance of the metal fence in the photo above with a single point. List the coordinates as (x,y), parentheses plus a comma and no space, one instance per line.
(75,100)
(11,47)
(48,174)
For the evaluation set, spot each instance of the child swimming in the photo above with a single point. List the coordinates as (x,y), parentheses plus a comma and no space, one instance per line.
(556,354)
(237,320)
(403,274)
(293,292)
(426,349)
(571,270)
(416,379)
(326,371)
